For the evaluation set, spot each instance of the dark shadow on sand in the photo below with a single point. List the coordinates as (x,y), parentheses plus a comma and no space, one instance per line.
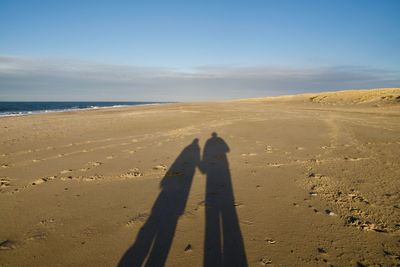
(223,244)
(153,242)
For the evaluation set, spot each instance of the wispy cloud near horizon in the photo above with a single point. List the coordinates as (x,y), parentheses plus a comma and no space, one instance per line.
(53,79)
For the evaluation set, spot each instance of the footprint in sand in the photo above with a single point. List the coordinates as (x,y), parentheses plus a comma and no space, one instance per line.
(200,204)
(330,213)
(82,178)
(96,163)
(275,164)
(68,178)
(238,204)
(47,221)
(269,240)
(4,182)
(43,180)
(188,248)
(4,166)
(132,173)
(38,181)
(7,244)
(37,235)
(160,167)
(265,261)
(249,154)
(268,149)
(84,169)
(316,161)
(109,157)
(65,171)
(313,194)
(353,159)
(315,175)
(313,208)
(91,178)
(138,219)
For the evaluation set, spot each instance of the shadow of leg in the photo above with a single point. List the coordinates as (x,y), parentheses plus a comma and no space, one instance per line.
(163,241)
(136,254)
(154,239)
(212,241)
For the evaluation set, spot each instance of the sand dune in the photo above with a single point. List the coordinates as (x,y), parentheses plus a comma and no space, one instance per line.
(304,180)
(372,97)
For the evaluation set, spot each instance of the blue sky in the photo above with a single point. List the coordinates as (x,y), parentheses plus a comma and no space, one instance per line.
(330,45)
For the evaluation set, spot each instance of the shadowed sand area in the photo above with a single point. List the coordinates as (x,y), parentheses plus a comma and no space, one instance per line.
(305,180)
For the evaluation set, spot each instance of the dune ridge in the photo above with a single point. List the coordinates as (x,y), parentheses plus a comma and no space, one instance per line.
(366,96)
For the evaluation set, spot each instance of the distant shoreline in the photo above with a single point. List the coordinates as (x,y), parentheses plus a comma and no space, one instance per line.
(40,107)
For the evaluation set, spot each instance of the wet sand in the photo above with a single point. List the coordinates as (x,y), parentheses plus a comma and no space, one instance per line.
(306,180)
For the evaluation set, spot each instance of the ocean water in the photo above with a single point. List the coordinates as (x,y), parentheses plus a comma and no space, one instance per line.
(25,108)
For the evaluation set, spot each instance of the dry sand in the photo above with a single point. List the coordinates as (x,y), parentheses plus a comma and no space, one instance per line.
(309,180)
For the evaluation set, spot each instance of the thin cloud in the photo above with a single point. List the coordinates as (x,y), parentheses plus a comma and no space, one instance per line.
(58,79)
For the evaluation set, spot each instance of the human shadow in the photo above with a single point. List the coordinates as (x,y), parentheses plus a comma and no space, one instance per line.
(223,244)
(153,242)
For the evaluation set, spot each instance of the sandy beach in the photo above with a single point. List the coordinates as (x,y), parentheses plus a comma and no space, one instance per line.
(303,180)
